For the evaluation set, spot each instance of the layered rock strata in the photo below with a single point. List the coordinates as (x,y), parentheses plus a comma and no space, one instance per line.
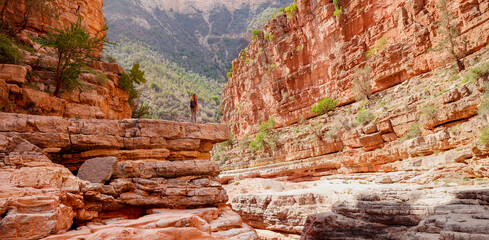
(28,89)
(358,206)
(60,14)
(300,58)
(160,164)
(423,130)
(416,215)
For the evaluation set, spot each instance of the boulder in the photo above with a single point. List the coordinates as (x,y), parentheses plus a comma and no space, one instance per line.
(97,170)
(13,73)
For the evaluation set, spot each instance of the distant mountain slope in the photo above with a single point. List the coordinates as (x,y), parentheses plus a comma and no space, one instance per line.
(169,87)
(202,36)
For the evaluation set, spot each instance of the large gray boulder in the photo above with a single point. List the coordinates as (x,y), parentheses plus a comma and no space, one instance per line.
(97,170)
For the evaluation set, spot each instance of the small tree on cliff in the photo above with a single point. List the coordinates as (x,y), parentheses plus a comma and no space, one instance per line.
(74,46)
(129,81)
(449,35)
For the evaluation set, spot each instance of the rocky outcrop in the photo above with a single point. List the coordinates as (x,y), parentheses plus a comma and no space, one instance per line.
(28,89)
(314,54)
(444,147)
(61,14)
(159,164)
(416,215)
(204,223)
(425,129)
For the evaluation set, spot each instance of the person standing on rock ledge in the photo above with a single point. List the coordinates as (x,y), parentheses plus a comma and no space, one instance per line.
(194,107)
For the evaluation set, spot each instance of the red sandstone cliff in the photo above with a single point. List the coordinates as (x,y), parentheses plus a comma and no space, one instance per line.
(415,169)
(66,12)
(134,178)
(315,55)
(28,86)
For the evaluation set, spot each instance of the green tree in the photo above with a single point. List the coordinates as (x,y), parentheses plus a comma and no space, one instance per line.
(74,46)
(449,35)
(129,81)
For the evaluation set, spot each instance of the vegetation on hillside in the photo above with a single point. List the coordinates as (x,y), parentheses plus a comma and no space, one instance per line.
(201,42)
(264,138)
(9,54)
(169,87)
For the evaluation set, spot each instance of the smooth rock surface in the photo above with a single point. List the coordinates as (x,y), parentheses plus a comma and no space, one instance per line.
(97,170)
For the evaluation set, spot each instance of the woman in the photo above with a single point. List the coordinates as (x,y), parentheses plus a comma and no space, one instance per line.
(194,107)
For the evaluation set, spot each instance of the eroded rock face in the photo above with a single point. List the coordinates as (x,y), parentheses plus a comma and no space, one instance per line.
(155,164)
(314,55)
(37,197)
(202,224)
(28,89)
(376,217)
(66,12)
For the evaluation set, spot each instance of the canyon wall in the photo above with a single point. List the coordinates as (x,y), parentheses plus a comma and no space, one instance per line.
(135,167)
(402,164)
(314,54)
(65,12)
(28,86)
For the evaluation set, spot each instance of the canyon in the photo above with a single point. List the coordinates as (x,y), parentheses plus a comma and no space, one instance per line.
(409,161)
(77,167)
(406,163)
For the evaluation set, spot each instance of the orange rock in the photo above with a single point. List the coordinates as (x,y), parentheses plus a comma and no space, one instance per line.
(90,12)
(315,55)
(4,92)
(13,73)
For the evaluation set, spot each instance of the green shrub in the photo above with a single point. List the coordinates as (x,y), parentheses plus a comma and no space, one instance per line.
(264,138)
(429,111)
(299,48)
(291,10)
(378,48)
(256,32)
(141,111)
(230,73)
(484,137)
(108,58)
(324,106)
(269,37)
(272,67)
(364,117)
(337,8)
(484,108)
(413,132)
(129,81)
(9,54)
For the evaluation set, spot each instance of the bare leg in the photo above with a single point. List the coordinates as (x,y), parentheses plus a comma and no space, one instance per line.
(194,116)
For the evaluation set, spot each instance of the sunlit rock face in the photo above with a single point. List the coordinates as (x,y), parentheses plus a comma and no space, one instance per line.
(65,12)
(314,54)
(143,167)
